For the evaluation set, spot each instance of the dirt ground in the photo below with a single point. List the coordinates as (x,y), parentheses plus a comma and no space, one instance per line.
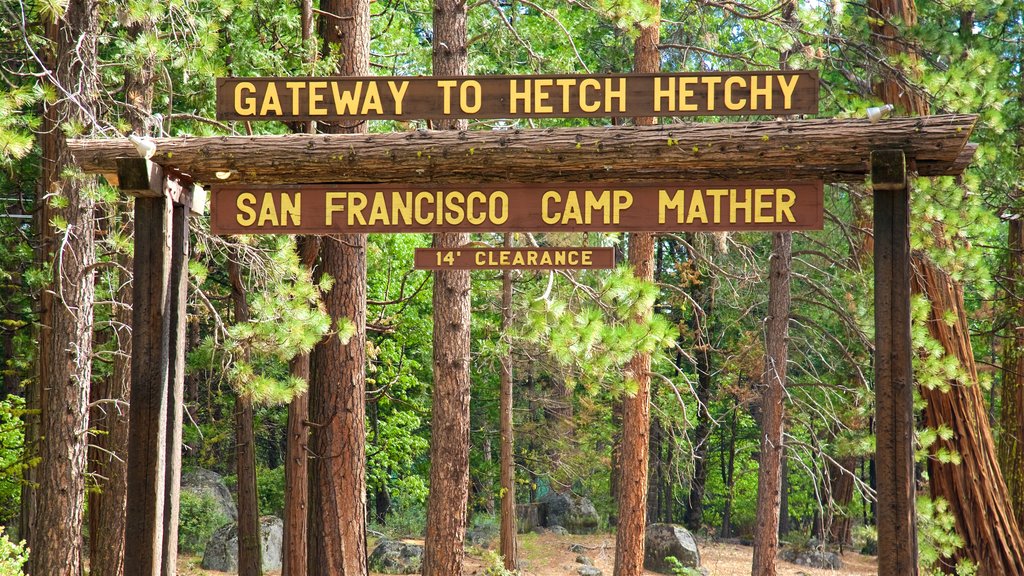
(549,555)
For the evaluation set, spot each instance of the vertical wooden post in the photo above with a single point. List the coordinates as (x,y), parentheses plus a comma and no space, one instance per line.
(894,395)
(176,380)
(147,414)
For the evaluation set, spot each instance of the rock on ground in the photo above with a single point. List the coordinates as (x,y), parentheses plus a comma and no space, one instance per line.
(575,514)
(812,558)
(393,557)
(664,540)
(222,549)
(203,482)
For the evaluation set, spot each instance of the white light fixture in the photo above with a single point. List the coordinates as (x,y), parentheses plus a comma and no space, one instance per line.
(144,146)
(876,113)
(222,174)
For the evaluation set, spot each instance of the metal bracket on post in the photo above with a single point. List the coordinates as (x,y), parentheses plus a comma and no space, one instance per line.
(894,392)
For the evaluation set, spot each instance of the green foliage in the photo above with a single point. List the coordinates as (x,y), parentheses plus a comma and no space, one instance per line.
(678,569)
(13,555)
(199,517)
(271,491)
(937,539)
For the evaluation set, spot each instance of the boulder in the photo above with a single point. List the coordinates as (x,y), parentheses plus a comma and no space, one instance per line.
(585,560)
(575,514)
(528,517)
(394,557)
(203,482)
(812,558)
(222,549)
(589,571)
(664,540)
(558,530)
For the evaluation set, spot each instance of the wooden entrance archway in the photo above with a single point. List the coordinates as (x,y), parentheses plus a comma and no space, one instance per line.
(835,150)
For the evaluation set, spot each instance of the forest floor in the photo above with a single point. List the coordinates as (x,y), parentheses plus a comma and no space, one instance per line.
(549,555)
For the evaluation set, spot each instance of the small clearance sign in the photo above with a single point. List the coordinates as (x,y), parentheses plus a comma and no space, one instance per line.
(476,258)
(575,207)
(539,96)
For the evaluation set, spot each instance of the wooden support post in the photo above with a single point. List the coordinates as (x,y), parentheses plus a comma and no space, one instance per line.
(176,378)
(162,206)
(147,416)
(894,393)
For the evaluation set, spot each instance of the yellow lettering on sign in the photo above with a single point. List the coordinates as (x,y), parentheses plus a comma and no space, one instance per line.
(711,82)
(667,94)
(613,94)
(464,103)
(762,202)
(531,258)
(271,101)
(402,208)
(515,96)
(602,202)
(673,202)
(356,205)
(267,212)
(783,204)
(454,205)
(295,87)
(379,211)
(346,101)
(565,84)
(246,214)
(685,93)
(475,216)
(586,104)
(245,105)
(736,205)
(398,93)
(423,217)
(334,204)
(291,209)
(623,200)
(372,101)
(730,83)
(717,194)
(546,213)
(446,86)
(587,257)
(787,89)
(315,98)
(498,215)
(697,208)
(540,95)
(763,92)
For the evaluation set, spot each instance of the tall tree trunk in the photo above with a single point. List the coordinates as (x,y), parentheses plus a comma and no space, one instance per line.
(636,408)
(107,506)
(55,538)
(337,393)
(974,488)
(296,468)
(249,561)
(449,427)
(1011,419)
(509,544)
(730,472)
(704,295)
(769,475)
(841,490)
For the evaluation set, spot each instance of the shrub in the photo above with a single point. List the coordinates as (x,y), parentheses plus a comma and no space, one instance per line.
(199,517)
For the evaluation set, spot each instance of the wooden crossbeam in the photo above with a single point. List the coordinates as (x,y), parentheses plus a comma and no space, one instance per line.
(143,178)
(836,150)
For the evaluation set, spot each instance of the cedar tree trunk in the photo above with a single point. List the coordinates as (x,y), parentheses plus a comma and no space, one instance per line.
(769,475)
(509,545)
(56,535)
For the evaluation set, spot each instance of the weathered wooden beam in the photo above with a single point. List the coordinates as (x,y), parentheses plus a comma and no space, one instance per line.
(836,150)
(894,392)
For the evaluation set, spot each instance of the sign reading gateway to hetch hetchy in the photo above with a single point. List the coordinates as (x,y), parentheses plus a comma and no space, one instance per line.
(473,258)
(561,96)
(599,207)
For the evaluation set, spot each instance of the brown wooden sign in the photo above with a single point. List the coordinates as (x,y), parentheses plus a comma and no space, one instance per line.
(542,96)
(580,207)
(473,258)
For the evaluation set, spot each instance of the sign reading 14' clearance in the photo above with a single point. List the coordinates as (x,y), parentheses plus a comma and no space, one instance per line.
(658,207)
(562,96)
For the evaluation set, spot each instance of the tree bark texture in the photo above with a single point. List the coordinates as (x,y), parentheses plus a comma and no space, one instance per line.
(337,393)
(56,534)
(769,474)
(975,488)
(1011,418)
(508,541)
(636,408)
(107,506)
(837,150)
(635,449)
(296,470)
(704,295)
(449,436)
(250,562)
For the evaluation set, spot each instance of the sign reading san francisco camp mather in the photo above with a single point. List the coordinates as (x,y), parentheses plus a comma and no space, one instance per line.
(555,96)
(600,207)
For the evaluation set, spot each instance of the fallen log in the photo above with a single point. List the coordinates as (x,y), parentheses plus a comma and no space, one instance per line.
(836,150)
